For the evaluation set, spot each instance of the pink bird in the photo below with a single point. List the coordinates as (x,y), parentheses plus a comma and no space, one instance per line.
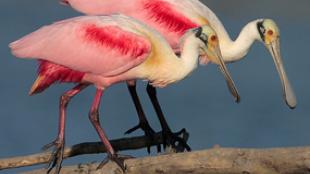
(172,18)
(104,50)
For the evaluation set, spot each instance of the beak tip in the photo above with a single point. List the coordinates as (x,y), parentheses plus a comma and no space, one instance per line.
(291,106)
(237,99)
(290,98)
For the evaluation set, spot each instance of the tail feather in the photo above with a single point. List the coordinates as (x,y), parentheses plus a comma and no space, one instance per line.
(50,73)
(38,85)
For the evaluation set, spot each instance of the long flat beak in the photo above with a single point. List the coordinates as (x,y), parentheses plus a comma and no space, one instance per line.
(288,93)
(230,83)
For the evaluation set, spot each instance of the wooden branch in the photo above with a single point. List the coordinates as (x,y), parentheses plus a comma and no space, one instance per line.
(89,148)
(213,161)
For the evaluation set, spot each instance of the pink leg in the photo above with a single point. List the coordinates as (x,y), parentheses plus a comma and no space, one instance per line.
(59,143)
(94,118)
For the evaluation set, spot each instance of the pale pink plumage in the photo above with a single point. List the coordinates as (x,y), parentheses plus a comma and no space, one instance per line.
(76,47)
(163,15)
(85,44)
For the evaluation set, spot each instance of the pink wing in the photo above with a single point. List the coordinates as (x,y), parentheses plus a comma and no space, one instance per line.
(91,44)
(169,16)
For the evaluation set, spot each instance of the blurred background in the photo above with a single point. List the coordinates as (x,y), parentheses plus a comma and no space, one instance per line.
(201,103)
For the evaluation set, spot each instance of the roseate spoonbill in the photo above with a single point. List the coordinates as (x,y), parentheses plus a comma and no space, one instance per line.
(173,17)
(104,50)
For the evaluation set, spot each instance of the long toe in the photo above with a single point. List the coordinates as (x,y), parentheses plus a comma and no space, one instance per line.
(56,158)
(118,159)
(148,131)
(144,126)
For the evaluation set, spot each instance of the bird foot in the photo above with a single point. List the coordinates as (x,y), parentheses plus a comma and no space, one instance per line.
(118,159)
(148,131)
(175,141)
(56,158)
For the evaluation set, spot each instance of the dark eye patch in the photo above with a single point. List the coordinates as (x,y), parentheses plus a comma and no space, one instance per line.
(204,38)
(198,31)
(199,34)
(261,30)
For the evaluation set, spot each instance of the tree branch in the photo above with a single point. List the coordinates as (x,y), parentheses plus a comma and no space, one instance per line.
(213,161)
(89,148)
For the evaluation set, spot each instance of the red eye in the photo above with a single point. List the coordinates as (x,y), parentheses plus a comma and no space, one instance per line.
(213,38)
(270,32)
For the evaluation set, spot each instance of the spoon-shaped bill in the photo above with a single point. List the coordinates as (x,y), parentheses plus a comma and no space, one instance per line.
(288,93)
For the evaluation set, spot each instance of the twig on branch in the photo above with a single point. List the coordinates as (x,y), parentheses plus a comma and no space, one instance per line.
(87,148)
(213,161)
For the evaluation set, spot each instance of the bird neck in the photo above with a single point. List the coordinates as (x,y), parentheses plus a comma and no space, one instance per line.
(236,50)
(231,50)
(172,67)
(190,47)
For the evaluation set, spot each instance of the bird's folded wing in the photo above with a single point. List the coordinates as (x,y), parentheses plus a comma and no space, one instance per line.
(91,44)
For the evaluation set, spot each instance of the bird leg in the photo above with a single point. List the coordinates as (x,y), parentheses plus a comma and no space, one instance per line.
(143,123)
(59,143)
(169,139)
(94,118)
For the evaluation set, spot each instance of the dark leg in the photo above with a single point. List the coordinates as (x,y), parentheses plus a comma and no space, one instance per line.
(169,138)
(94,118)
(143,123)
(59,143)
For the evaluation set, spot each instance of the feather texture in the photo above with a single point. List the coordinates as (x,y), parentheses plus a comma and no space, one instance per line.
(49,73)
(87,44)
(164,13)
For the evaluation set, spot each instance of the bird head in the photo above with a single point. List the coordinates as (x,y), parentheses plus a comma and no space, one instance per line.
(268,31)
(270,35)
(210,47)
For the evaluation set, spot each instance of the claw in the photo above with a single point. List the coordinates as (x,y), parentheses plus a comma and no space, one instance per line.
(148,131)
(133,129)
(148,148)
(56,158)
(158,148)
(49,146)
(118,159)
(174,141)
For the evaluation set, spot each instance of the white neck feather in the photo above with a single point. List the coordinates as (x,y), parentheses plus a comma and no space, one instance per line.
(190,47)
(231,50)
(236,50)
(177,68)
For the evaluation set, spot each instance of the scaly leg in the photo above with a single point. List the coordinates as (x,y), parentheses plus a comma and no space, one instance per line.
(143,123)
(169,138)
(59,143)
(94,118)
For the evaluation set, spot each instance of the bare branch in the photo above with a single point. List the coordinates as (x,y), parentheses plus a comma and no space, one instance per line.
(213,161)
(87,148)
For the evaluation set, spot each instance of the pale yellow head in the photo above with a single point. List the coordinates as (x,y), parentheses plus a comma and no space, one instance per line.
(209,38)
(268,31)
